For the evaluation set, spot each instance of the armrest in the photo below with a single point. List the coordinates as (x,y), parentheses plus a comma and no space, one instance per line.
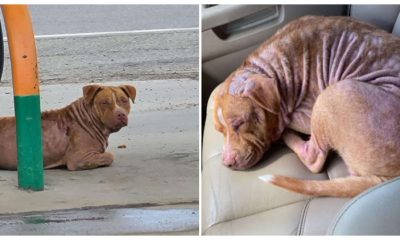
(374,212)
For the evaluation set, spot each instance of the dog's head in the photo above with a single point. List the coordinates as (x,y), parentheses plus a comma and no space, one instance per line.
(246,112)
(110,104)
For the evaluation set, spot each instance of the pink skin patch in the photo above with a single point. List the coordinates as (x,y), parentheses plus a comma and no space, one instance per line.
(241,84)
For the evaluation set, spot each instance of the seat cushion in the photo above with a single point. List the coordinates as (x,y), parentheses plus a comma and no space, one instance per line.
(374,212)
(237,202)
(318,215)
(278,221)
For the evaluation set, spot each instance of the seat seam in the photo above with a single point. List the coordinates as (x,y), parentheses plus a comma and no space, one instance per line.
(213,155)
(205,160)
(303,217)
(231,219)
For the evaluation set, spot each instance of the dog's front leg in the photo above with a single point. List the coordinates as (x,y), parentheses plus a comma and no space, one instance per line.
(308,151)
(90,161)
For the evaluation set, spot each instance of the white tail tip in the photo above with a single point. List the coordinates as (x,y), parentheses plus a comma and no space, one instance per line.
(266,178)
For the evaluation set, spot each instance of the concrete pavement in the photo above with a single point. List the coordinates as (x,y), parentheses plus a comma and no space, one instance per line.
(158,166)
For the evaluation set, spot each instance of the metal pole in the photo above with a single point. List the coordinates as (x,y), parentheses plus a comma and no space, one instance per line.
(21,43)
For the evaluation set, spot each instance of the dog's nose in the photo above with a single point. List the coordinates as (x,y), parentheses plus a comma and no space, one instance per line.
(229,158)
(121,115)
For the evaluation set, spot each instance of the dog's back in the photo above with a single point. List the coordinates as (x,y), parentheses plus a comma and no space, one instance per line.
(324,50)
(55,139)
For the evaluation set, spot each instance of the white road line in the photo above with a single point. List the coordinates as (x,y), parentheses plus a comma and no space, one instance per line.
(110,33)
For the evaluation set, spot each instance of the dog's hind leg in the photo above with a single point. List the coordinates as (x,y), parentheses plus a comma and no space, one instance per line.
(361,122)
(89,160)
(308,151)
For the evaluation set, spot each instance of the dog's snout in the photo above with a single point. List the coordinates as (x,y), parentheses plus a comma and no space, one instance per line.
(230,158)
(121,115)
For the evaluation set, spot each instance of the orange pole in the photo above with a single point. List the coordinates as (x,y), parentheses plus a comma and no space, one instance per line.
(21,43)
(22,47)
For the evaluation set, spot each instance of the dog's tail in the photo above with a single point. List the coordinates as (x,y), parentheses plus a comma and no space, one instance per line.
(340,187)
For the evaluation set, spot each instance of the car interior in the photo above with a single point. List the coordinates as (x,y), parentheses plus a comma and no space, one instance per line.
(236,202)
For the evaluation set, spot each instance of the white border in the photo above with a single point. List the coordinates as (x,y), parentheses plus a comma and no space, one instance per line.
(200,122)
(195,2)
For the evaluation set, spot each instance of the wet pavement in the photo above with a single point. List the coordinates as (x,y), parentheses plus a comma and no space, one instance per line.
(162,220)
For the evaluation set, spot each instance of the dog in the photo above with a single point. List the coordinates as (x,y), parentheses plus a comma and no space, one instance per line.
(333,78)
(75,136)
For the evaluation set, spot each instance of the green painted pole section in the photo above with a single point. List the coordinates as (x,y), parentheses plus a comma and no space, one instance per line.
(29,142)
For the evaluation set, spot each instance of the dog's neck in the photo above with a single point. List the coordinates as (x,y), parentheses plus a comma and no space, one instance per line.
(79,112)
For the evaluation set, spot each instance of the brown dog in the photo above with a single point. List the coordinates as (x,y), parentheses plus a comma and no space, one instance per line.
(332,77)
(77,135)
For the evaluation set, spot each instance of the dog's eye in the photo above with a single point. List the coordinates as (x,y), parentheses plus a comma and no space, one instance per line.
(105,102)
(236,124)
(124,100)
(256,117)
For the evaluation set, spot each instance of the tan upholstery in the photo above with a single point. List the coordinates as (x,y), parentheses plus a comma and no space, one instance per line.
(237,202)
(278,221)
(374,212)
(319,215)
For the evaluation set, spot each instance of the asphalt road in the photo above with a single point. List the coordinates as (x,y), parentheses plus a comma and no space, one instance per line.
(114,56)
(160,164)
(62,19)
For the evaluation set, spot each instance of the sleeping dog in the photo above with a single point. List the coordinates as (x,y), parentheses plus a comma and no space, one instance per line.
(333,78)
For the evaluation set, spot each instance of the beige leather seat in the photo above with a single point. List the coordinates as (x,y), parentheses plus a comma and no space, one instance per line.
(238,203)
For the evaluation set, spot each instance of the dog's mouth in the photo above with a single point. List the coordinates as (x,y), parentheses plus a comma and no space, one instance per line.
(118,126)
(249,158)
(246,161)
(246,164)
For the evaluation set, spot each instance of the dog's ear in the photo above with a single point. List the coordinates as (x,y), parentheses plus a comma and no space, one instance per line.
(90,91)
(130,91)
(261,89)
